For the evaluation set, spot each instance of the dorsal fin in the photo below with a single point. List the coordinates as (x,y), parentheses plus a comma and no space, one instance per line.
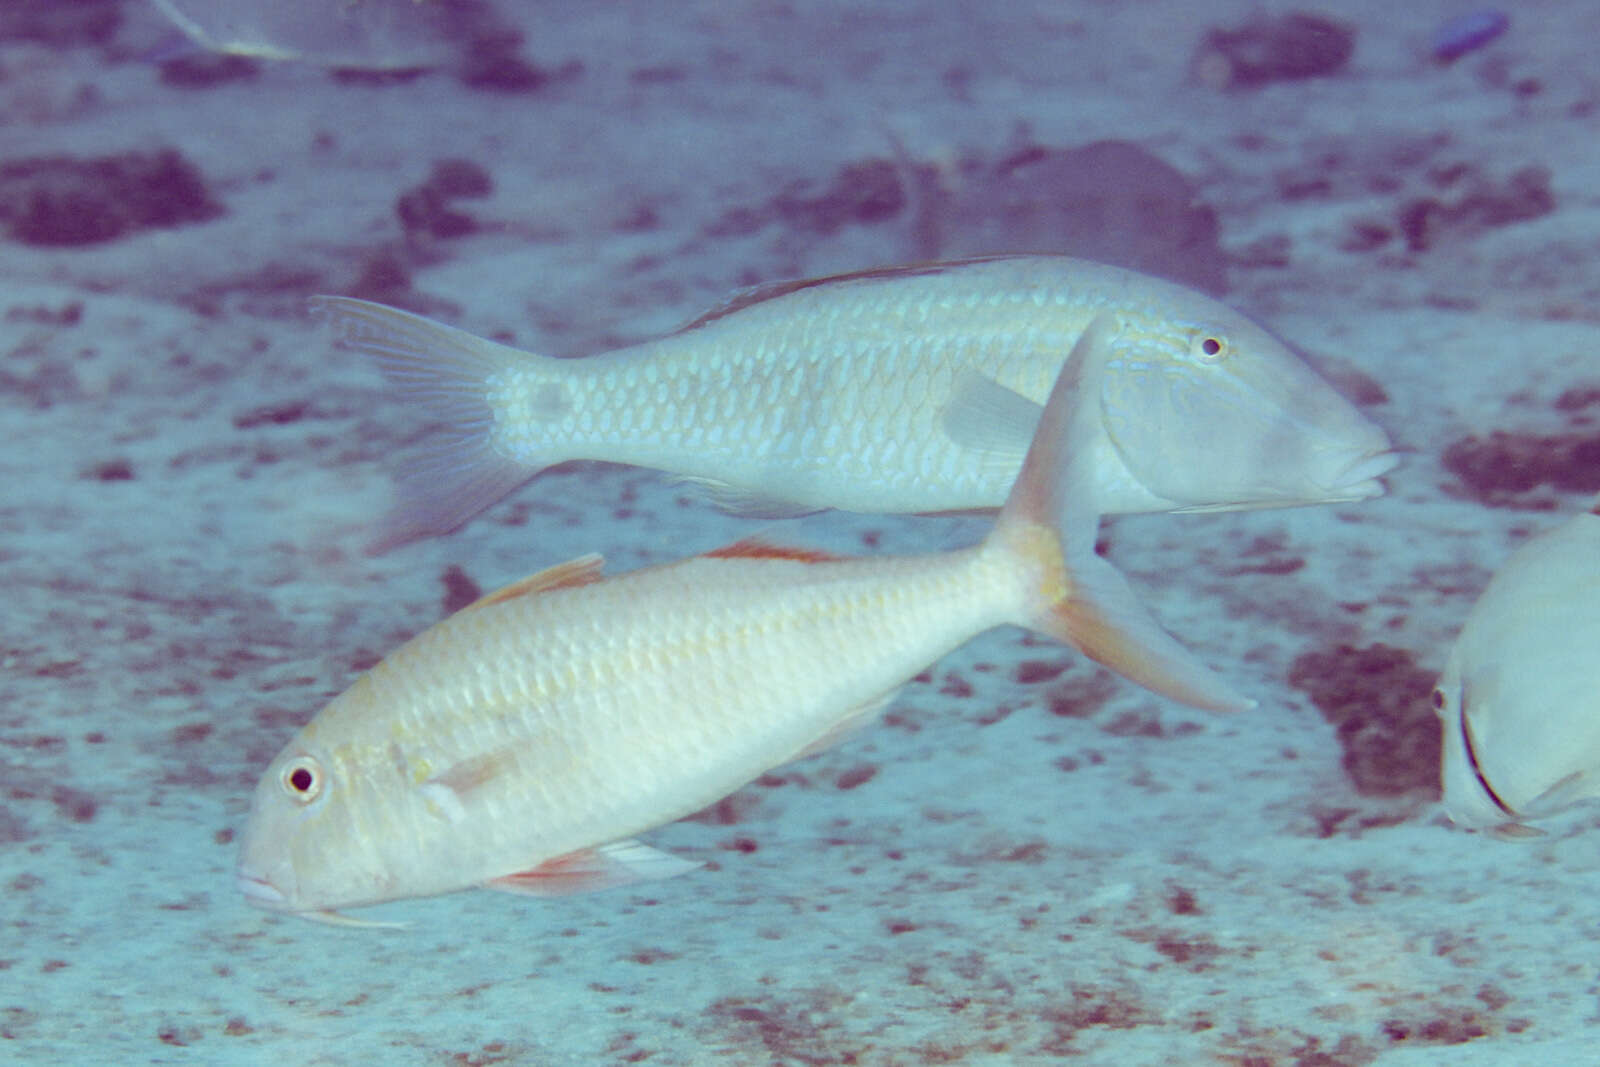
(757,548)
(760,294)
(575,572)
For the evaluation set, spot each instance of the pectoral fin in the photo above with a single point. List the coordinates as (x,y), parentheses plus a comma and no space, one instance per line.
(617,864)
(984,416)
(448,791)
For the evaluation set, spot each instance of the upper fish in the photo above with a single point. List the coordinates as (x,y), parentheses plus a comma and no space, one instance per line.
(906,389)
(1519,698)
(521,743)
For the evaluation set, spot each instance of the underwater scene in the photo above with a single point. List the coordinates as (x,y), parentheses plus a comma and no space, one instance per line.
(760,533)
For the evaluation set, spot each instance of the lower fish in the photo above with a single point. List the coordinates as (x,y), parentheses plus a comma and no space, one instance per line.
(908,389)
(521,743)
(1519,698)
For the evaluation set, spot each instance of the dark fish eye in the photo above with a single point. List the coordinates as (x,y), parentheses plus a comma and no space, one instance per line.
(1438,700)
(1209,347)
(302,779)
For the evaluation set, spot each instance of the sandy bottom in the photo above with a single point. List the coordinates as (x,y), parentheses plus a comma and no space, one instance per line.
(1028,859)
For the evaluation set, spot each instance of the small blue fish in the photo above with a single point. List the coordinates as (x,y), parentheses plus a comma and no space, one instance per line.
(1468,33)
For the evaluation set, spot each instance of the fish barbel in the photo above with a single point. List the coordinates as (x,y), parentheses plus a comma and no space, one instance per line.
(909,389)
(1519,699)
(522,742)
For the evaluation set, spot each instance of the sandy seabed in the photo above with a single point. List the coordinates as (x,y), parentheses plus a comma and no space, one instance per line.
(1028,860)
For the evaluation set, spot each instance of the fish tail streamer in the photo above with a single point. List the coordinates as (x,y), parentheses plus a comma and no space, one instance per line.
(1050,522)
(457,471)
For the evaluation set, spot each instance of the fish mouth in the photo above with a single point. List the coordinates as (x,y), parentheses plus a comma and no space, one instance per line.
(260,892)
(1359,479)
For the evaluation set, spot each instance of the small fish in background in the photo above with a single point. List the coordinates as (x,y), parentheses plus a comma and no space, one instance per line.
(1111,202)
(366,34)
(1467,33)
(1520,695)
(469,36)
(910,389)
(521,743)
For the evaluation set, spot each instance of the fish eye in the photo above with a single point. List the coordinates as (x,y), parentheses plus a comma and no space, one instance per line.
(1438,699)
(1208,346)
(302,779)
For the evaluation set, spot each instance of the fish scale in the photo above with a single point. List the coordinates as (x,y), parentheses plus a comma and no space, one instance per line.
(911,389)
(741,643)
(521,742)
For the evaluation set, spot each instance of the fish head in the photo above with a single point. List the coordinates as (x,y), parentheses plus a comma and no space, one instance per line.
(1470,801)
(1520,723)
(316,838)
(1211,412)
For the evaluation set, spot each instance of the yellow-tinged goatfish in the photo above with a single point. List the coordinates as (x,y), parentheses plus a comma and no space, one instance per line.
(910,389)
(1520,694)
(522,742)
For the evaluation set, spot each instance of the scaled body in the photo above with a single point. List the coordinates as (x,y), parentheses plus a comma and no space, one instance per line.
(1519,699)
(521,742)
(912,389)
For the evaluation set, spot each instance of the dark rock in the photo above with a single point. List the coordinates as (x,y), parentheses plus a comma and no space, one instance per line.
(1108,201)
(1378,701)
(1426,221)
(202,70)
(1497,469)
(60,23)
(1291,47)
(64,200)
(425,211)
(460,177)
(861,193)
(459,589)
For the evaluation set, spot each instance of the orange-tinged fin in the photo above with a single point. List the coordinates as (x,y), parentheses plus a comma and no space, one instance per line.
(1594,509)
(337,918)
(585,570)
(617,864)
(1051,519)
(1515,831)
(457,473)
(757,548)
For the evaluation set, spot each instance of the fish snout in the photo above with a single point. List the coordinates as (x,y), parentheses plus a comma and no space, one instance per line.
(1358,478)
(259,891)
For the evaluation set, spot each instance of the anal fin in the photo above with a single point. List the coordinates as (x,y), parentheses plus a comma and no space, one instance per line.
(851,722)
(745,503)
(607,867)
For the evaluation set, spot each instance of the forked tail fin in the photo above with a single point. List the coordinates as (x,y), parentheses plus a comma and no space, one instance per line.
(457,472)
(1052,517)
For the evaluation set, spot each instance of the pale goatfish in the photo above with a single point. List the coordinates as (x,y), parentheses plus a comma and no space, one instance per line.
(1520,694)
(522,742)
(911,389)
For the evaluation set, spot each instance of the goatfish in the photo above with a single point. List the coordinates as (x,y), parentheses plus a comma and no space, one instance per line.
(1519,698)
(907,389)
(521,743)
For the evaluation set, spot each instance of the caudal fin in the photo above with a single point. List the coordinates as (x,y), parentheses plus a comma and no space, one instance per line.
(1052,519)
(457,472)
